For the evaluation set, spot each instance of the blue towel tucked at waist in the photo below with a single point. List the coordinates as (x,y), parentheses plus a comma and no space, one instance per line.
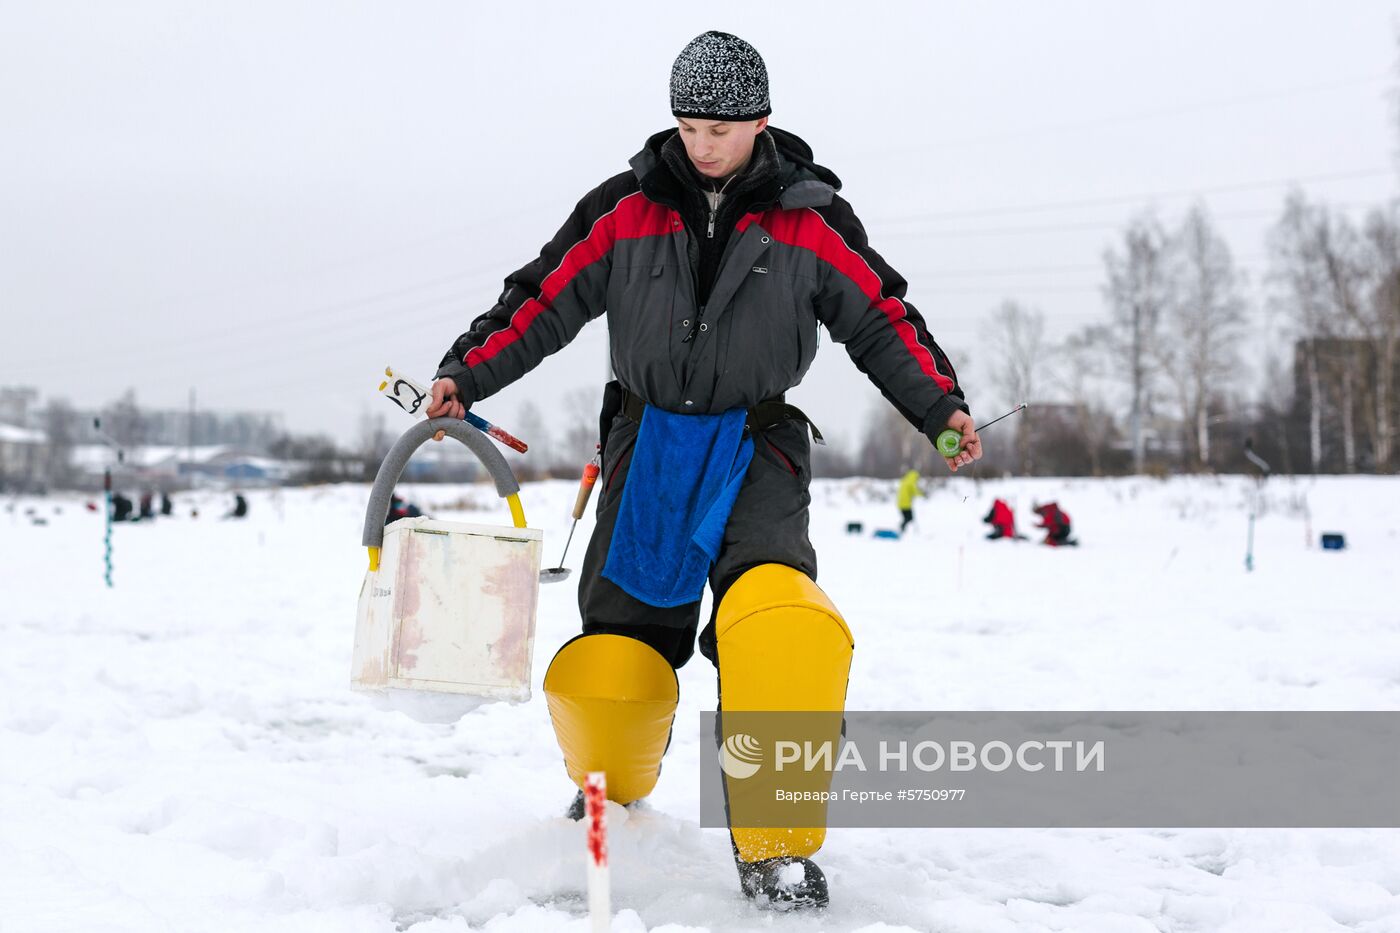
(685,474)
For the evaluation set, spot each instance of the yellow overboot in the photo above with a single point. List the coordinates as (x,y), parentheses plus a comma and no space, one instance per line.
(783,647)
(612,699)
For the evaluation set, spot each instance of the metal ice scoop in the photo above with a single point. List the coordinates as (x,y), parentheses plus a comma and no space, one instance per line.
(585,492)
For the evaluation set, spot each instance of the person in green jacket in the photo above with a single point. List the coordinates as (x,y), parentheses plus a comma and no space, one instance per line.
(908,491)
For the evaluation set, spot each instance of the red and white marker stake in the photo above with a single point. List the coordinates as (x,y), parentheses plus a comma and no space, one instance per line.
(595,799)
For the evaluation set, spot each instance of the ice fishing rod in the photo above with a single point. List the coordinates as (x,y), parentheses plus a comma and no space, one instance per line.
(949,442)
(410,396)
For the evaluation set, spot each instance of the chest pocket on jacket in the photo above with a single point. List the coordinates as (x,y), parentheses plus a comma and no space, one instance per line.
(774,309)
(640,308)
(641,275)
(650,290)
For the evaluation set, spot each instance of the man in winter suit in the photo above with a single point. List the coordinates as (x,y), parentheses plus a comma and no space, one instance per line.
(716,258)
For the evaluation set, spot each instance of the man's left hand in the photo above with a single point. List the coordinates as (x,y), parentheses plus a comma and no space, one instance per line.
(971,444)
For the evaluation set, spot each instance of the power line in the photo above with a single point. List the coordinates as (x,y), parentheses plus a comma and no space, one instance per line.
(232,336)
(1241,262)
(1001,290)
(255,332)
(357,260)
(1155,114)
(219,346)
(248,378)
(286,322)
(1074,227)
(1136,198)
(230,364)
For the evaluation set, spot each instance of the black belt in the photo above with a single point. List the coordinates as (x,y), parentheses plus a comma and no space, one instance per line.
(764,415)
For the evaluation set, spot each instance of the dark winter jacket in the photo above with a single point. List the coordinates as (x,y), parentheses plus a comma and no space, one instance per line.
(791,256)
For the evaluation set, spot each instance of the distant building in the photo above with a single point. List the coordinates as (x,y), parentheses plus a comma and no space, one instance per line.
(162,465)
(17,405)
(445,462)
(23,455)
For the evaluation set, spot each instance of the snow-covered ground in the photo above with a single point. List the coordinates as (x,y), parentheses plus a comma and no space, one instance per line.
(183,753)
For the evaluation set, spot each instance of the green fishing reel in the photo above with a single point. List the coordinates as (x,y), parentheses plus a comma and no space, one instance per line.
(948,442)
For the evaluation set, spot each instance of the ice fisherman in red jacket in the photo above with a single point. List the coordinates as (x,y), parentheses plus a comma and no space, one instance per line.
(1002,520)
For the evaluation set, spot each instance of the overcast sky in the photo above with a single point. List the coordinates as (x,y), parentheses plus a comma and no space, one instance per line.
(268,202)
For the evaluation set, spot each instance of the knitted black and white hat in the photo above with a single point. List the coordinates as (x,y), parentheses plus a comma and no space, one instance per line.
(719,77)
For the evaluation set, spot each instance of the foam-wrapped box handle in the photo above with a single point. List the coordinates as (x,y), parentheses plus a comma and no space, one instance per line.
(398,456)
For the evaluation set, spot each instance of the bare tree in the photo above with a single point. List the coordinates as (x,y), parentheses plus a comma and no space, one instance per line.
(125,422)
(1207,314)
(892,445)
(1274,407)
(373,442)
(1338,250)
(1379,320)
(1084,361)
(530,428)
(1300,294)
(1138,292)
(579,438)
(1320,281)
(1015,341)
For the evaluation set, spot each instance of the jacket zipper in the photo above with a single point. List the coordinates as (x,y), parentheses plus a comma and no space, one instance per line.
(710,234)
(714,206)
(695,328)
(714,210)
(782,456)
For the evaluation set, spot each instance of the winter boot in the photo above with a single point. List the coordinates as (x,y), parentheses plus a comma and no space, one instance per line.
(788,882)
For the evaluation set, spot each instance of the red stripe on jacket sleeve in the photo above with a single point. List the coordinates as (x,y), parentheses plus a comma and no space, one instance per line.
(794,228)
(633,216)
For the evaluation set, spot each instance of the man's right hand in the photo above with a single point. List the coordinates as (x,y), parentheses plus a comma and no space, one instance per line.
(971,448)
(445,404)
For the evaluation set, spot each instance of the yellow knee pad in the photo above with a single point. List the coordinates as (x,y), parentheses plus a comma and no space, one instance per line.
(612,700)
(782,646)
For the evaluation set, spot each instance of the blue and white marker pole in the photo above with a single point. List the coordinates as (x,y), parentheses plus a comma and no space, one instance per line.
(107,496)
